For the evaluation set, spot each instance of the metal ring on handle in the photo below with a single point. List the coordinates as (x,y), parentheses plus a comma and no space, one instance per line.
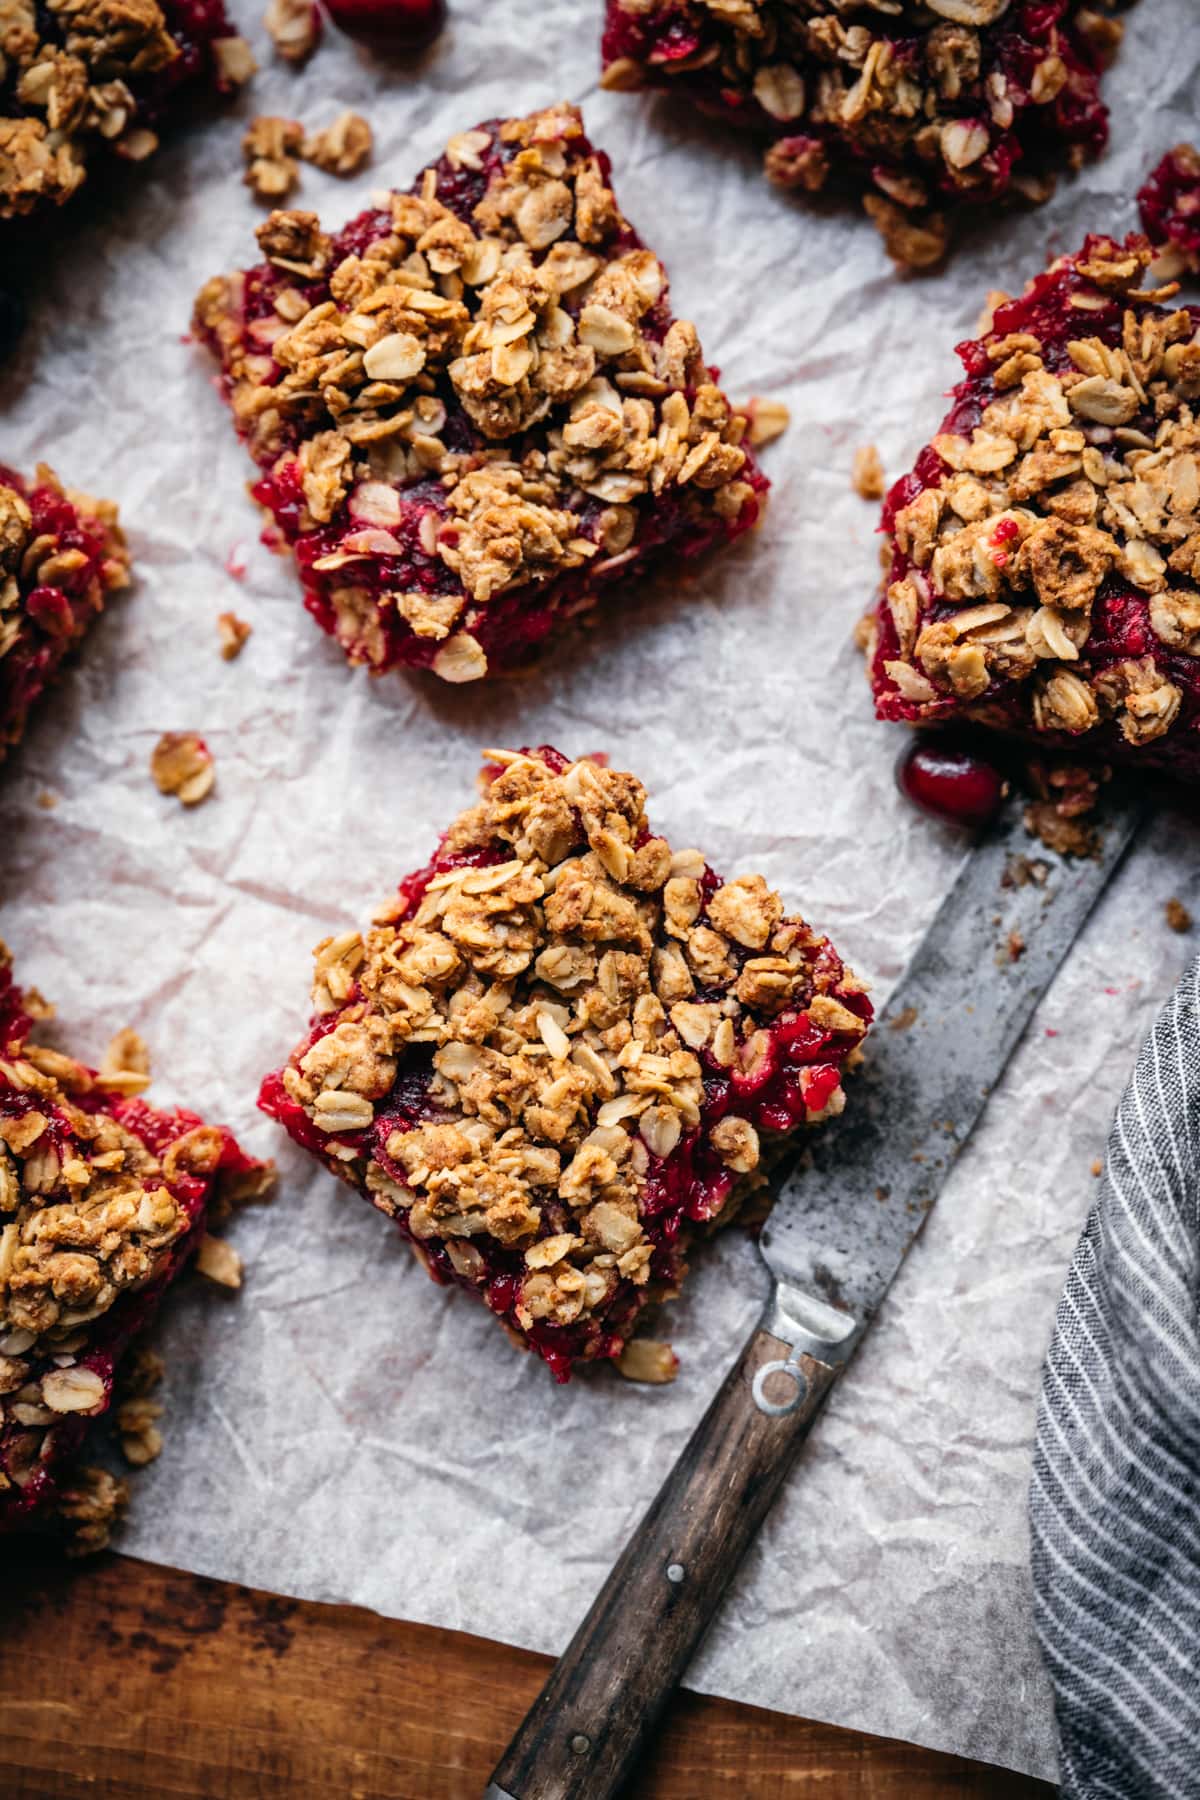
(776,1409)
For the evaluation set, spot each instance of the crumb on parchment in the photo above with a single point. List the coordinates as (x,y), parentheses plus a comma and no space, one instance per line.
(1178,916)
(181,764)
(867,477)
(233,633)
(766,420)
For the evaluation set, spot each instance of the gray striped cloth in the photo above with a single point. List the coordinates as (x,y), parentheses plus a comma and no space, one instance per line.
(1115,1501)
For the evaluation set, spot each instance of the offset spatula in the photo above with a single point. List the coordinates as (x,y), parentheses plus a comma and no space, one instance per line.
(848,1211)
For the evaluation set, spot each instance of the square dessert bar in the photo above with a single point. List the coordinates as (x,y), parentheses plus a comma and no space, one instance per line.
(83,79)
(1045,550)
(61,552)
(102,1200)
(563,1049)
(954,104)
(472,407)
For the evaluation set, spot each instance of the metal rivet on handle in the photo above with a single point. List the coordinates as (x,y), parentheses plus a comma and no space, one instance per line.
(777,1408)
(675,1572)
(580,1744)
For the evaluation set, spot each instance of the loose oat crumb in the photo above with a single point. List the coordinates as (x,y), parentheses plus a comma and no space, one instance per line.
(141,1440)
(294,27)
(233,633)
(269,147)
(47,800)
(1016,946)
(645,1360)
(125,1068)
(768,419)
(342,148)
(181,764)
(219,1261)
(1097,1166)
(235,61)
(1178,916)
(91,1503)
(867,477)
(911,243)
(1066,837)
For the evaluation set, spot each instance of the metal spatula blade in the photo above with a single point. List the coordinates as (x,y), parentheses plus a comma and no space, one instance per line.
(850,1205)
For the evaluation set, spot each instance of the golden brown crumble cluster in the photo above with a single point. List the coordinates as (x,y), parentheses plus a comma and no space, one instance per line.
(272,145)
(65,71)
(530,309)
(1072,475)
(566,995)
(919,98)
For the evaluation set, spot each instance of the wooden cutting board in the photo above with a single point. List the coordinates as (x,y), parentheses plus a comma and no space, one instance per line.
(130,1682)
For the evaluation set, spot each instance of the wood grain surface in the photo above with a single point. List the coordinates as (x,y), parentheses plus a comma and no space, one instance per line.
(129,1682)
(591,1724)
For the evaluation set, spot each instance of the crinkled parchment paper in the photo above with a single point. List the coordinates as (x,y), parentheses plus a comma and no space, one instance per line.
(343,1429)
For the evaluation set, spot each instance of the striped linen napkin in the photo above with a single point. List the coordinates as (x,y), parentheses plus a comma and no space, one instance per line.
(1115,1501)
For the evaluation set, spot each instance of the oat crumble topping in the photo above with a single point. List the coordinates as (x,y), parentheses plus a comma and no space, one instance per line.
(1045,552)
(102,1200)
(933,109)
(61,554)
(562,1047)
(79,78)
(473,407)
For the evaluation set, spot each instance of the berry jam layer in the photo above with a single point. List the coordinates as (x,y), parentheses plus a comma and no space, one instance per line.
(969,103)
(472,408)
(1169,202)
(83,79)
(1045,550)
(563,1049)
(61,553)
(102,1200)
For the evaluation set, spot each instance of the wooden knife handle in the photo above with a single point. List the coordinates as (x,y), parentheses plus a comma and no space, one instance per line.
(581,1738)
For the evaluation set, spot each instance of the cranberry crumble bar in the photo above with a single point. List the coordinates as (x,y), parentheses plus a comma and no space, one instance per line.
(61,552)
(563,1048)
(102,1201)
(951,104)
(1045,549)
(82,78)
(472,407)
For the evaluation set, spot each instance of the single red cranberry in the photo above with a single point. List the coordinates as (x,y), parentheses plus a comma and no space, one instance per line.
(389,25)
(950,783)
